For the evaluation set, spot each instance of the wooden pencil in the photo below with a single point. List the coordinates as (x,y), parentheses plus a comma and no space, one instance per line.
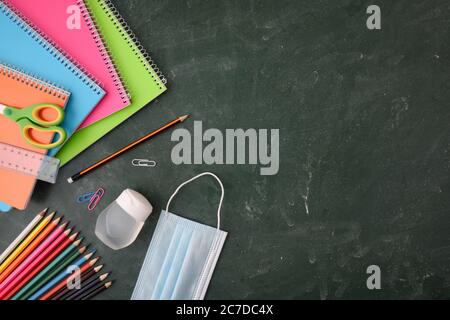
(62,275)
(88,286)
(65,291)
(116,154)
(62,261)
(64,282)
(22,235)
(94,292)
(30,248)
(21,247)
(33,269)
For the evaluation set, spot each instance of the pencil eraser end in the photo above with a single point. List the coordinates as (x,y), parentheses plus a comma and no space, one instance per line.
(70,180)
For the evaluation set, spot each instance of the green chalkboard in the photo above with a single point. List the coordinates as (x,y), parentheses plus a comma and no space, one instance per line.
(364,146)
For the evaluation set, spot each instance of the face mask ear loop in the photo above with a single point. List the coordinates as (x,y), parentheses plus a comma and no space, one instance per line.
(194,178)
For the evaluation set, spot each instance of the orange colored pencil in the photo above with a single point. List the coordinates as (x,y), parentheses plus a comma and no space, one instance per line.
(30,273)
(59,286)
(28,250)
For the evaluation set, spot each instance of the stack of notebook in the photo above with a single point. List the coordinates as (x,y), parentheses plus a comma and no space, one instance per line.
(79,55)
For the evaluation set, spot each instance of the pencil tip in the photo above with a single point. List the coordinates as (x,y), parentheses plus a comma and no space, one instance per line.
(98,268)
(67,232)
(182,118)
(43,212)
(94,261)
(108,284)
(90,254)
(104,276)
(51,215)
(70,180)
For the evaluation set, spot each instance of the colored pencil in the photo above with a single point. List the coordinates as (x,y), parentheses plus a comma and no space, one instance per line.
(29,250)
(125,149)
(94,292)
(22,235)
(35,267)
(21,247)
(65,291)
(67,279)
(87,287)
(26,267)
(49,285)
(63,260)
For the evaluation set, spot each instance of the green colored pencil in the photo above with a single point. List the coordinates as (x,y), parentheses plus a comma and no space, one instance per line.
(63,260)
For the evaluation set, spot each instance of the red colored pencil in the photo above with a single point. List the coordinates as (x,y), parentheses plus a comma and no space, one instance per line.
(42,265)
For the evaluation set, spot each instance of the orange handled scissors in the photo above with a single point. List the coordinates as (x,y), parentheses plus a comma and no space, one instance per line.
(30,118)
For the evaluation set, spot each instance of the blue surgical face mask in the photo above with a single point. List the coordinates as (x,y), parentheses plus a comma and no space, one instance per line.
(181,257)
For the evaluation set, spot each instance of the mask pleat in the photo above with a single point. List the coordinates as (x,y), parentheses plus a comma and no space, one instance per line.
(169,256)
(193,263)
(176,269)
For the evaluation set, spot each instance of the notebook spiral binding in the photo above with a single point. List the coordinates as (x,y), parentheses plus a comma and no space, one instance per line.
(48,44)
(33,81)
(104,51)
(145,58)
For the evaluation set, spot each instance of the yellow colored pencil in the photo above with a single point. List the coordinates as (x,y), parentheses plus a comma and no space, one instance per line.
(33,234)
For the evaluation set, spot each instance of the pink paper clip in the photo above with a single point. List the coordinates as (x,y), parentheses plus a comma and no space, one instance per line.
(98,195)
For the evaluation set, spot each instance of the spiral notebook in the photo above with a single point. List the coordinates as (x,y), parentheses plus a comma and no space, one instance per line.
(69,24)
(35,53)
(20,90)
(141,76)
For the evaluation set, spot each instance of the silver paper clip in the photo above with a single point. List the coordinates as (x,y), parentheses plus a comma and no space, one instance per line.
(143,163)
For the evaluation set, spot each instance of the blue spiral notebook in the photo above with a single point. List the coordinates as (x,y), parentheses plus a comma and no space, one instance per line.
(24,46)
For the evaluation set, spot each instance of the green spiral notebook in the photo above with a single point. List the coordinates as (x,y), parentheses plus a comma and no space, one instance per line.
(141,76)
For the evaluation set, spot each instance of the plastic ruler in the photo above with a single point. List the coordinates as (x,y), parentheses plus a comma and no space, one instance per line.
(31,163)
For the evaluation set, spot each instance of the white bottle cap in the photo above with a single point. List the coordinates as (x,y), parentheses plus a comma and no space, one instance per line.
(135,204)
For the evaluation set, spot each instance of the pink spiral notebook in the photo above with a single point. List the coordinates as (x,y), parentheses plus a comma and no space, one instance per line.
(69,25)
